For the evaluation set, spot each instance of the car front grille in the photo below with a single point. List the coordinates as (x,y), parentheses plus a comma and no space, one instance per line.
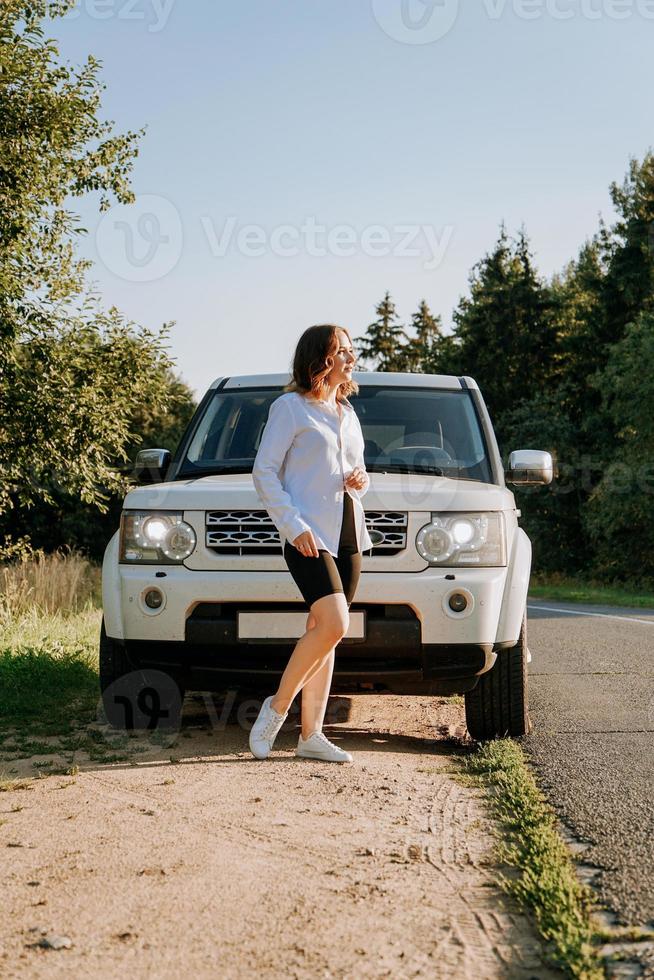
(252,532)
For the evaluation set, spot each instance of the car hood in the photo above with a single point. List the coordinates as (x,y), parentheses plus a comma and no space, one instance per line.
(388,491)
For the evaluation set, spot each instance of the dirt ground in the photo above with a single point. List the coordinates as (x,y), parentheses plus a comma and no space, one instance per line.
(195,859)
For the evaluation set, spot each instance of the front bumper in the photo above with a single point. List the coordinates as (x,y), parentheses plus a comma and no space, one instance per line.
(414,643)
(392,656)
(425,592)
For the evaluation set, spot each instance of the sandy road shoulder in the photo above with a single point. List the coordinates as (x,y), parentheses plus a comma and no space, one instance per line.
(223,865)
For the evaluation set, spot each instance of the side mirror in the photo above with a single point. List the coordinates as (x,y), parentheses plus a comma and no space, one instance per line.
(151,465)
(530,467)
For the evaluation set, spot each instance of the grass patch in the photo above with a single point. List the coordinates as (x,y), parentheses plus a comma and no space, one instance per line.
(50,697)
(555,586)
(35,629)
(546,884)
(45,686)
(49,631)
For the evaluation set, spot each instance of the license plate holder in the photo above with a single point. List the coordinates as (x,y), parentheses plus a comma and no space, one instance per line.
(280,626)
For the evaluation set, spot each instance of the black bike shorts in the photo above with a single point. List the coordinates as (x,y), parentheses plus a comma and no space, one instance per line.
(326,575)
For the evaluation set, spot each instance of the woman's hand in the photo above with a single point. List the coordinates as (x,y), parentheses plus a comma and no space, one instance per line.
(306,544)
(356,479)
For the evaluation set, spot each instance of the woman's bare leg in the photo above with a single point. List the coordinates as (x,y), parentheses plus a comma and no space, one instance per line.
(331,616)
(315,692)
(315,695)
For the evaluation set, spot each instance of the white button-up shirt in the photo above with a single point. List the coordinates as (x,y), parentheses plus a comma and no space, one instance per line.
(306,451)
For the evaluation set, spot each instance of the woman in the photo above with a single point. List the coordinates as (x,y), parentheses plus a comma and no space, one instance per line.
(310,474)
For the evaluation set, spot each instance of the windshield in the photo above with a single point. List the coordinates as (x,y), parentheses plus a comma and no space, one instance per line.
(406,430)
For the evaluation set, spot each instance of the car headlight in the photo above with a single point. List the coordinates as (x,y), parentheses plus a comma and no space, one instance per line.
(463,539)
(155,537)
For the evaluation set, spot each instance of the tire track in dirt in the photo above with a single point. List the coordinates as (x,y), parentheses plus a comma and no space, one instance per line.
(218,865)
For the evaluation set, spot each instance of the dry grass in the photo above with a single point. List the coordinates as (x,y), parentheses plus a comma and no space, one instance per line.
(64,583)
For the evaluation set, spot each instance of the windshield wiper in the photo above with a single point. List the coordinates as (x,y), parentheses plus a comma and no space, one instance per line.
(403,468)
(216,470)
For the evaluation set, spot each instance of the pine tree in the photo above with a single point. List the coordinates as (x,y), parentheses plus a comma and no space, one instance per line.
(422,351)
(617,517)
(604,301)
(629,250)
(385,339)
(505,330)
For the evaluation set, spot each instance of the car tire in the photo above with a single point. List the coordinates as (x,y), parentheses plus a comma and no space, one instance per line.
(136,698)
(498,705)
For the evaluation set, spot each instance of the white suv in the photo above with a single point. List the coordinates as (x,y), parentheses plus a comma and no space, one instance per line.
(197,595)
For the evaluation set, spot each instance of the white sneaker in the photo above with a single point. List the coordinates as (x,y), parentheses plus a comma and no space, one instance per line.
(318,746)
(264,731)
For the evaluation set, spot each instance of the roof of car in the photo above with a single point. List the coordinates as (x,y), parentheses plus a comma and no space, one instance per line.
(392,378)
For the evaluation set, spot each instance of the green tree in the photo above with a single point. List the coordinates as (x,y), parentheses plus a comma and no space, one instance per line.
(505,333)
(578,311)
(605,289)
(384,339)
(618,517)
(552,515)
(56,516)
(162,426)
(628,251)
(73,377)
(566,366)
(423,351)
(53,146)
(597,299)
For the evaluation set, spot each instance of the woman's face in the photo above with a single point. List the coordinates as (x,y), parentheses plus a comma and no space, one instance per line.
(344,359)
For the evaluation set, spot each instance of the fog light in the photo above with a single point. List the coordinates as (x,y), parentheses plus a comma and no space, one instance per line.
(457,602)
(153,599)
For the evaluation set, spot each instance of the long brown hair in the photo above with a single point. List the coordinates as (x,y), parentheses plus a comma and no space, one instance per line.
(311,363)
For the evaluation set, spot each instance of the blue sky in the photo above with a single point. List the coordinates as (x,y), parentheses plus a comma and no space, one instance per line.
(304,156)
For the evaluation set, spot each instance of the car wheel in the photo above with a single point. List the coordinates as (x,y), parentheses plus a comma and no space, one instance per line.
(498,705)
(133,697)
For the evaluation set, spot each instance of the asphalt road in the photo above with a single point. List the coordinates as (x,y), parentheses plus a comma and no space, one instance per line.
(592,703)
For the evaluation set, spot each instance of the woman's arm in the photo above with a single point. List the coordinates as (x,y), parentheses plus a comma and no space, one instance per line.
(360,461)
(357,479)
(276,440)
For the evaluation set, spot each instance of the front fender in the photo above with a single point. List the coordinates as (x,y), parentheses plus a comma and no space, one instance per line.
(516,587)
(113,618)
